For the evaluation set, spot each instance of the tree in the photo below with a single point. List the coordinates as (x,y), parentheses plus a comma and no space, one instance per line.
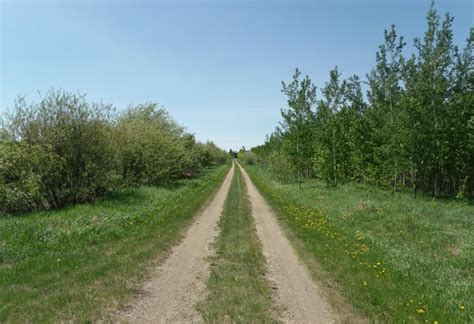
(416,130)
(427,106)
(326,126)
(297,123)
(385,98)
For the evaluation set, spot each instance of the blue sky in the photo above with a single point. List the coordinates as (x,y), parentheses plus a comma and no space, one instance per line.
(217,66)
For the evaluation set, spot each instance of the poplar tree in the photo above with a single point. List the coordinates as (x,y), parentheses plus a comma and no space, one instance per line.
(428,89)
(297,121)
(384,97)
(327,151)
(416,130)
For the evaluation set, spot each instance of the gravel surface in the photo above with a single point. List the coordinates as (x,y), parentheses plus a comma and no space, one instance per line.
(178,284)
(301,299)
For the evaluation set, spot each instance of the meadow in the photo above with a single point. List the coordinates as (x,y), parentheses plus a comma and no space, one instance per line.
(85,260)
(395,258)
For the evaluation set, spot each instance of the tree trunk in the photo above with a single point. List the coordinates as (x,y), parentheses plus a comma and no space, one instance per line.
(413,179)
(334,156)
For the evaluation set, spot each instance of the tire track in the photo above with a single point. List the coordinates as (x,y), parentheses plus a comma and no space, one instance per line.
(301,299)
(177,285)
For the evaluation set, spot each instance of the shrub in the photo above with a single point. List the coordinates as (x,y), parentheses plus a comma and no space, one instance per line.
(153,148)
(247,157)
(281,167)
(26,174)
(65,135)
(212,155)
(65,150)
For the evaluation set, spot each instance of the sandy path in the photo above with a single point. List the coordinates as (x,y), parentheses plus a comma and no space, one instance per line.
(301,298)
(171,294)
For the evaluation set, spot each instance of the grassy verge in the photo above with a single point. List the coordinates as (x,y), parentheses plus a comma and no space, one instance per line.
(82,261)
(238,289)
(395,257)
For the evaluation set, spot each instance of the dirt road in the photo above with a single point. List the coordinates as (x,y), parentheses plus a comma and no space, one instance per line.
(301,299)
(171,294)
(178,284)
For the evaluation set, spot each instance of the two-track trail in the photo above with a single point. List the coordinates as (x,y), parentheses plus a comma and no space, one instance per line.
(175,287)
(301,299)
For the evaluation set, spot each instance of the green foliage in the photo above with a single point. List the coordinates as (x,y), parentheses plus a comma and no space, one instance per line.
(210,154)
(280,166)
(415,132)
(272,155)
(247,157)
(28,173)
(71,139)
(297,122)
(65,150)
(151,146)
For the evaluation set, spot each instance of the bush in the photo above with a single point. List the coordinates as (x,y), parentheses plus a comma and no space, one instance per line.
(63,147)
(26,174)
(65,150)
(211,155)
(281,167)
(247,157)
(153,148)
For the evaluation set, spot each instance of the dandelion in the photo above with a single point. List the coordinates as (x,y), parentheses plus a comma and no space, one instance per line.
(365,283)
(420,311)
(461,307)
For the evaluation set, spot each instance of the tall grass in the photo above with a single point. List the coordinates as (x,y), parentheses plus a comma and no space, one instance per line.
(82,261)
(395,257)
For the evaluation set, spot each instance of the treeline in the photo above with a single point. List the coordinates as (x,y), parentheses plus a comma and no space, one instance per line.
(65,150)
(413,130)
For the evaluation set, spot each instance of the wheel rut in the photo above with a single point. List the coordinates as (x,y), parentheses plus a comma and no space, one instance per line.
(301,299)
(177,285)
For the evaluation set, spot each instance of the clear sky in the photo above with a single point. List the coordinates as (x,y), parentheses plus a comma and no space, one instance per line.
(217,66)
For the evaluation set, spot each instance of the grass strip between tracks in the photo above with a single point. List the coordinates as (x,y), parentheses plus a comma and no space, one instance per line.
(238,290)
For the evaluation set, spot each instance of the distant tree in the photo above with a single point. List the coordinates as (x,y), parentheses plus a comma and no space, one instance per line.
(232,154)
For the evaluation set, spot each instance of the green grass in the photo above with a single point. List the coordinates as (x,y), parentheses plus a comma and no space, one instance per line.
(396,258)
(238,289)
(81,262)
